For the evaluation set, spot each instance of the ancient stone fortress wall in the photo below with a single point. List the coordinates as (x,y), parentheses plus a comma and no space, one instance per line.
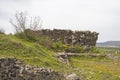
(13,69)
(82,38)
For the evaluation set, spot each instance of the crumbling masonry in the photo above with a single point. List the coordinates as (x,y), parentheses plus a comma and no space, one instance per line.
(13,69)
(72,37)
(82,38)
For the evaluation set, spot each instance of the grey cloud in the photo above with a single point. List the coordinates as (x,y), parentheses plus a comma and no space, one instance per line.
(102,16)
(4,15)
(13,0)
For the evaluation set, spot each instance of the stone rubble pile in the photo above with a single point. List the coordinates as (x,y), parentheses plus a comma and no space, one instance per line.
(72,77)
(12,69)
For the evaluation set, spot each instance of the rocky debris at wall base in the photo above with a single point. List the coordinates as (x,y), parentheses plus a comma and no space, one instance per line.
(72,76)
(13,69)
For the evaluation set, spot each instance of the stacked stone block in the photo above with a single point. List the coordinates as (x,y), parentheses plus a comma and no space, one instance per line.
(12,69)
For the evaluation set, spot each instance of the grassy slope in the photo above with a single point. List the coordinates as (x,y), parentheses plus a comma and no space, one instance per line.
(31,53)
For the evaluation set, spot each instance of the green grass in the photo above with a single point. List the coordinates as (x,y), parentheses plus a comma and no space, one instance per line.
(96,68)
(88,68)
(31,53)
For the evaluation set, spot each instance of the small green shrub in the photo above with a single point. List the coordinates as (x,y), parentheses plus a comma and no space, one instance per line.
(27,35)
(20,35)
(44,41)
(58,46)
(78,49)
(75,49)
(94,50)
(31,36)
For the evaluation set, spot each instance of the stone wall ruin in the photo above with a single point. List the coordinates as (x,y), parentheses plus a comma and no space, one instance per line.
(86,39)
(72,37)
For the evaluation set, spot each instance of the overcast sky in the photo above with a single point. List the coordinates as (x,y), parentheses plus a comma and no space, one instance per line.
(102,16)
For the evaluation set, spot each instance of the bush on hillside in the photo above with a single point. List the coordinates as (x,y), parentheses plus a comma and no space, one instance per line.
(45,41)
(27,35)
(58,46)
(94,50)
(75,49)
(25,25)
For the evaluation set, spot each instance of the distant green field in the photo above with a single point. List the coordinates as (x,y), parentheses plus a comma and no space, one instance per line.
(108,49)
